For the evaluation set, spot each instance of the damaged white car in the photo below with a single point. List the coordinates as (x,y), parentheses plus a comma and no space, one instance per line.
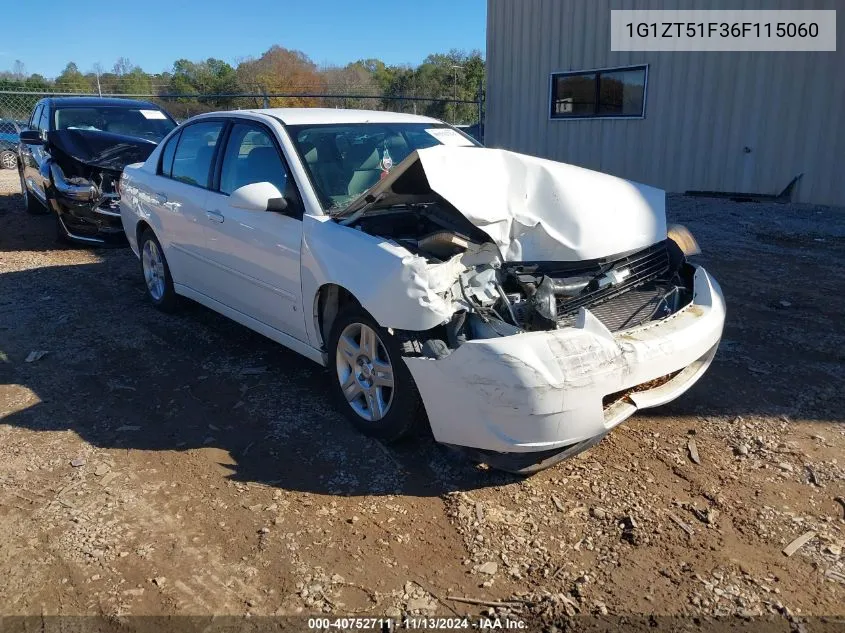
(522,307)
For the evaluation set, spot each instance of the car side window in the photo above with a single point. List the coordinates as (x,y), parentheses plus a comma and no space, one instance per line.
(251,156)
(195,153)
(166,164)
(43,120)
(36,114)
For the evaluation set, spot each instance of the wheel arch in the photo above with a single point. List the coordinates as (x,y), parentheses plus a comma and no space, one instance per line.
(140,227)
(329,300)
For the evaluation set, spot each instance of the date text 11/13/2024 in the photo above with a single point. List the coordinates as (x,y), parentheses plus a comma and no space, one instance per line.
(417,624)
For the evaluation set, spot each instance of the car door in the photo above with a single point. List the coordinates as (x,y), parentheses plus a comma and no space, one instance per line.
(179,197)
(256,253)
(34,155)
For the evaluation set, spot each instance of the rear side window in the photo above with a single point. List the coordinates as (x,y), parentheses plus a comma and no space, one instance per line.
(167,156)
(195,153)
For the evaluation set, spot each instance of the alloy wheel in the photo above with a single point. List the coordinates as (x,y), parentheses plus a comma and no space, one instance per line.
(153,265)
(8,160)
(364,371)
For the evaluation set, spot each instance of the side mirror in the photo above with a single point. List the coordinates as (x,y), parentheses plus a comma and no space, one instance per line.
(259,196)
(31,137)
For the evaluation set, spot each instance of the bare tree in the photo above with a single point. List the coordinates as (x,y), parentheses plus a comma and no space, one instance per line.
(18,69)
(123,66)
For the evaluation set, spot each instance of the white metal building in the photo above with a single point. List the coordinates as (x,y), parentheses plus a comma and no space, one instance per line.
(715,121)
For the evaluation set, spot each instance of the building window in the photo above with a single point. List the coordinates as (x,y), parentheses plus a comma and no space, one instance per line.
(605,93)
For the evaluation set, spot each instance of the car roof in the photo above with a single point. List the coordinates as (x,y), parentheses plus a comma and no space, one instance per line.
(314,116)
(100,101)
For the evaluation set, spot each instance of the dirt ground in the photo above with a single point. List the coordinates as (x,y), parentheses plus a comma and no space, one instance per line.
(165,465)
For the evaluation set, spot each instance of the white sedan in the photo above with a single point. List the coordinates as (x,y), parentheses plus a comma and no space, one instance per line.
(519,306)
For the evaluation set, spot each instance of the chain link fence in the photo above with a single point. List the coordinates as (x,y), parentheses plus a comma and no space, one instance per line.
(16,106)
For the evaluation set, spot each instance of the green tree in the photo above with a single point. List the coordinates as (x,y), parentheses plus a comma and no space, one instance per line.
(71,80)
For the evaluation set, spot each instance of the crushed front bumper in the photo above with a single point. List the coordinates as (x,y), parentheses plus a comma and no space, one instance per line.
(540,392)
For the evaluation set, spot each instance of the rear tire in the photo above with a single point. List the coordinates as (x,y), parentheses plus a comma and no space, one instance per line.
(31,204)
(156,272)
(370,381)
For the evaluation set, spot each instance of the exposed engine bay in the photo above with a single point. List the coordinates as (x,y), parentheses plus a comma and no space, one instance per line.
(495,298)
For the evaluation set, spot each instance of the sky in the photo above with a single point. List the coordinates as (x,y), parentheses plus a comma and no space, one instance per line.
(154,33)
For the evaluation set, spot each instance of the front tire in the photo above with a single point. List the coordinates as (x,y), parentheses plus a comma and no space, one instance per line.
(156,272)
(371,383)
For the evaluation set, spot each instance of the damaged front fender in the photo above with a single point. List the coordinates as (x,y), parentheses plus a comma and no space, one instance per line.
(75,190)
(399,289)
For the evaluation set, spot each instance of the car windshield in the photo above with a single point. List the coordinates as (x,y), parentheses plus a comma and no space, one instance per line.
(149,123)
(344,160)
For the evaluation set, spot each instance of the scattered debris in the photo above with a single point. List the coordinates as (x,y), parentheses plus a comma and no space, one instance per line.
(35,356)
(159,581)
(489,603)
(836,576)
(128,427)
(681,524)
(558,503)
(834,549)
(598,513)
(812,477)
(101,469)
(841,501)
(707,515)
(693,451)
(628,525)
(77,462)
(798,543)
(490,568)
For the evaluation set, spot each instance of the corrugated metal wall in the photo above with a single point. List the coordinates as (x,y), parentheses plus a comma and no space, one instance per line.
(702,109)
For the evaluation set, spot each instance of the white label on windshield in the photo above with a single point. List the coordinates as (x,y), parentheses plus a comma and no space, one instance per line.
(448,136)
(153,114)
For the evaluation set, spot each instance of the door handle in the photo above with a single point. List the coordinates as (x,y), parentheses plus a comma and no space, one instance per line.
(214,215)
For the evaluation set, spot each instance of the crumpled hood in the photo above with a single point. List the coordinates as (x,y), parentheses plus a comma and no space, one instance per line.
(103,150)
(532,208)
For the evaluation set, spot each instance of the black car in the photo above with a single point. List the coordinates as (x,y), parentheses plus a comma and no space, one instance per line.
(72,155)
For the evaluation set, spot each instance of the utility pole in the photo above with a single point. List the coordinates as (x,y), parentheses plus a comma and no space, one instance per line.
(97,70)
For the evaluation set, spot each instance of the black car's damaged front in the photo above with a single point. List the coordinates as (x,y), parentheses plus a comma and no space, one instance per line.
(84,172)
(87,148)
